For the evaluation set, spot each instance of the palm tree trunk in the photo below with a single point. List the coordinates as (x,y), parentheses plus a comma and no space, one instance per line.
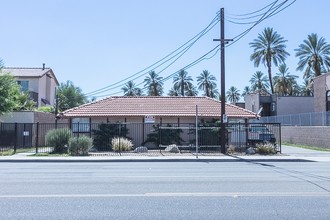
(269,67)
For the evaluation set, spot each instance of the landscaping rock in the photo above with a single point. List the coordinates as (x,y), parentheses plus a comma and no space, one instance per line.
(250,150)
(172,148)
(141,149)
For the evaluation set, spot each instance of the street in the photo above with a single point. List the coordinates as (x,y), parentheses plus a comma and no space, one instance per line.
(165,190)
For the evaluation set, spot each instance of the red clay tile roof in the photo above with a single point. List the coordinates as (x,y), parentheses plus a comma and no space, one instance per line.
(157,106)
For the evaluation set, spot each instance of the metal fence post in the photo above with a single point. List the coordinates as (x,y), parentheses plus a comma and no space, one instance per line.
(37,137)
(15,142)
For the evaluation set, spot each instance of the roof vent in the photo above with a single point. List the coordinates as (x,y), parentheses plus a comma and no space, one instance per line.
(43,66)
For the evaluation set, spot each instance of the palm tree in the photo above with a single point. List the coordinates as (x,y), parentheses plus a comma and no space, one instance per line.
(130,89)
(154,84)
(181,80)
(174,91)
(307,88)
(284,82)
(206,82)
(269,48)
(233,94)
(259,82)
(213,92)
(190,90)
(314,54)
(246,91)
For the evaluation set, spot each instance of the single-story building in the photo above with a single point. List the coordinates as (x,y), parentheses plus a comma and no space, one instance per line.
(141,114)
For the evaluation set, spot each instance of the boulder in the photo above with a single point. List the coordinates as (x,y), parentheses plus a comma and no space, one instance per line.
(172,148)
(141,149)
(250,150)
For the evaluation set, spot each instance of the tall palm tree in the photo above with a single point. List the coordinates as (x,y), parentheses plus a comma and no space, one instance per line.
(213,92)
(269,48)
(246,91)
(206,82)
(307,88)
(154,84)
(233,94)
(259,82)
(314,54)
(190,90)
(284,82)
(130,89)
(181,80)
(174,91)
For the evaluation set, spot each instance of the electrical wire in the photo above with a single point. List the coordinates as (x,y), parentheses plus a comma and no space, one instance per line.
(144,71)
(200,59)
(273,9)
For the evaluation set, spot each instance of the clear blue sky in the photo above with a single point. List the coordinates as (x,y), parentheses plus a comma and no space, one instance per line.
(96,43)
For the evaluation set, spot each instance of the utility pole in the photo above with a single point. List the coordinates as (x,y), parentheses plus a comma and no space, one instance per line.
(223,41)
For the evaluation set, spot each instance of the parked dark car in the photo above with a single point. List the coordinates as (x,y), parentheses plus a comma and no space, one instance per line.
(260,134)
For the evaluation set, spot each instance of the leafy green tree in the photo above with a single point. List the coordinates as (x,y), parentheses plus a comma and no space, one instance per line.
(181,81)
(9,92)
(314,56)
(207,82)
(259,82)
(233,94)
(284,82)
(154,84)
(70,96)
(130,89)
(269,48)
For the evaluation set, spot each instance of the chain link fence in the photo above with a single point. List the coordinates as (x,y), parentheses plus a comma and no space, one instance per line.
(304,119)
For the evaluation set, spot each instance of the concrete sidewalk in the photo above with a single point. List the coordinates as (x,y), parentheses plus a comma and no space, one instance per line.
(289,153)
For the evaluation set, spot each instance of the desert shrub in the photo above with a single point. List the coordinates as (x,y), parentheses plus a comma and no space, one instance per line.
(58,139)
(266,148)
(79,146)
(121,144)
(231,149)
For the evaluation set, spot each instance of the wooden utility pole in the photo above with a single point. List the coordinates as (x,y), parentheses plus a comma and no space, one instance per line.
(223,41)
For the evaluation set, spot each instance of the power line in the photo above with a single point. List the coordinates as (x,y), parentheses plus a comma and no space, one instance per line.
(200,59)
(273,9)
(214,21)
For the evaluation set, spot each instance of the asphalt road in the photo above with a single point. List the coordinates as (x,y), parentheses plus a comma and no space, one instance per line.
(165,190)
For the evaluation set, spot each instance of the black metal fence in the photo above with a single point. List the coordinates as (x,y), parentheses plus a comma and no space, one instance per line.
(155,137)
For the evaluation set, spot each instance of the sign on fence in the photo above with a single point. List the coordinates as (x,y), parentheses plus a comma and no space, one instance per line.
(149,119)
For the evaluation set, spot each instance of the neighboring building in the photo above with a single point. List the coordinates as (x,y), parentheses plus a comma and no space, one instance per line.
(273,105)
(322,93)
(162,110)
(41,83)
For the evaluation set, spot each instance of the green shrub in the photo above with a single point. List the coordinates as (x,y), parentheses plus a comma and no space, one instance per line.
(58,139)
(121,144)
(266,148)
(104,134)
(79,146)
